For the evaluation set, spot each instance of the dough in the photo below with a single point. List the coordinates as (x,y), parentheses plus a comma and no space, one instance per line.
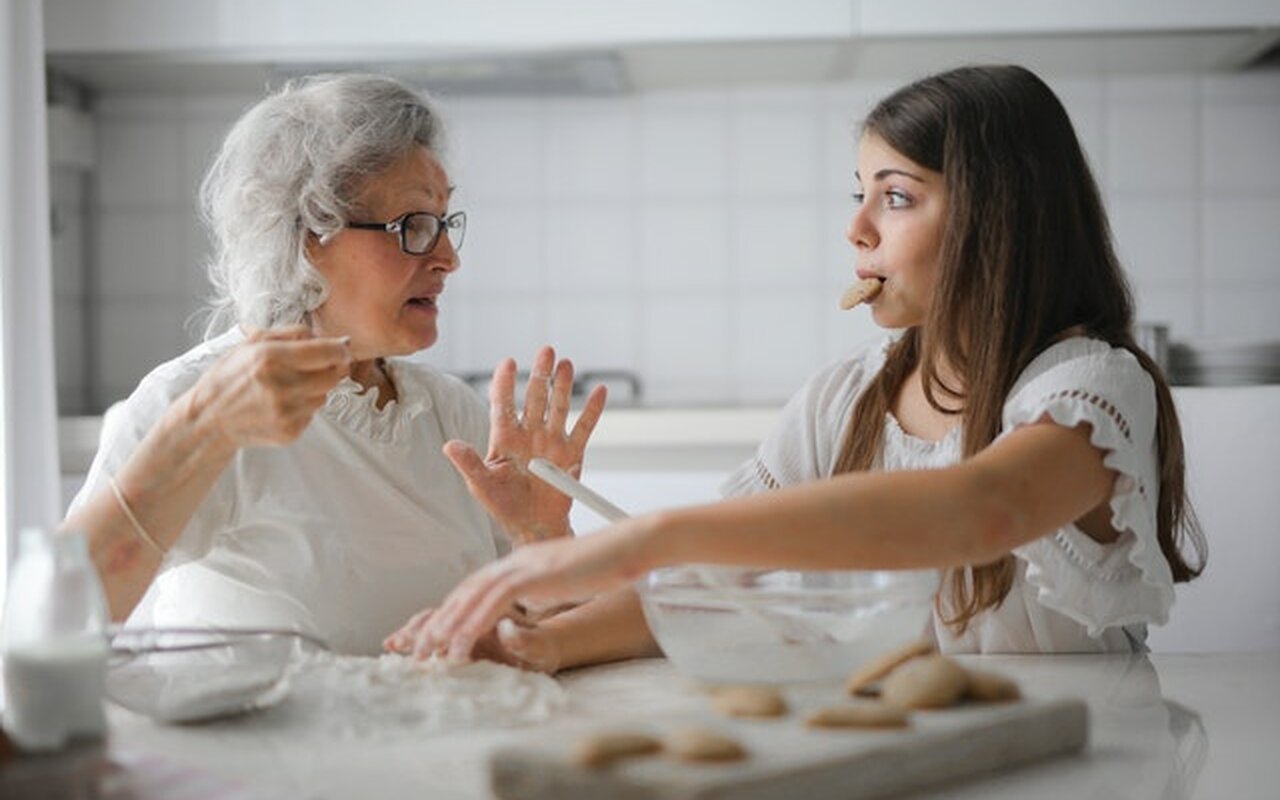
(749,701)
(925,682)
(701,744)
(858,715)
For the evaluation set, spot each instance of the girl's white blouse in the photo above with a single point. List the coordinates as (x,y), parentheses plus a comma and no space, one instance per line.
(344,533)
(1070,593)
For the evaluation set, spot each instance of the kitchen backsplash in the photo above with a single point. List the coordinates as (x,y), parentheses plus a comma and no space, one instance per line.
(694,238)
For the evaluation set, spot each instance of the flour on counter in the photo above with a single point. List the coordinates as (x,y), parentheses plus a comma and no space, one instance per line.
(358,696)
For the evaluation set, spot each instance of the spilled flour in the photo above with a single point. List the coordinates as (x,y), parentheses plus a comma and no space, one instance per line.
(394,695)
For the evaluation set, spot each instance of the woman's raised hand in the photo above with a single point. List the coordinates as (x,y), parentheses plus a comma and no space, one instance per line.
(266,389)
(526,507)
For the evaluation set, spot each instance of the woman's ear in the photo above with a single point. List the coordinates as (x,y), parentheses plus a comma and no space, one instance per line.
(314,248)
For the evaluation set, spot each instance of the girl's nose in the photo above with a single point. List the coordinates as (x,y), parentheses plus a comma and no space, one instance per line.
(861,233)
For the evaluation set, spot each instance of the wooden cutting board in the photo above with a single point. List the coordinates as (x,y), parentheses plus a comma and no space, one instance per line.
(787,759)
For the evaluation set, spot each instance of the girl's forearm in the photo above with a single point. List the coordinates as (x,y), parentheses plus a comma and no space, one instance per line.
(902,520)
(609,628)
(163,482)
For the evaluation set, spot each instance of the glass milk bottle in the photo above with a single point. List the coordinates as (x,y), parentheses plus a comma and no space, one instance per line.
(54,643)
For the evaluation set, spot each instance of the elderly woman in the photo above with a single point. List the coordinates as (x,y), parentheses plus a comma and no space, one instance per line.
(291,471)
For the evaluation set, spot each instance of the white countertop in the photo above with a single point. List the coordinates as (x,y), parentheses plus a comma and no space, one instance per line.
(708,438)
(1164,726)
(713,437)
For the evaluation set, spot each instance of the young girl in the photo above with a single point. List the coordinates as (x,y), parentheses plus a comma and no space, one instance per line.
(1012,434)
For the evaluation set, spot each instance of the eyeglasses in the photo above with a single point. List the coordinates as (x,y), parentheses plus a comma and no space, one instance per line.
(420,230)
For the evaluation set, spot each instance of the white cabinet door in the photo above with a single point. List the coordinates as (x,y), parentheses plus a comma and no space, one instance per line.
(235,30)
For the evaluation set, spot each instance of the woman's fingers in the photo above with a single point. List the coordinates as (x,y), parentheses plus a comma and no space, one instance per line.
(466,461)
(296,331)
(530,646)
(503,419)
(535,394)
(586,424)
(306,355)
(401,640)
(310,383)
(561,393)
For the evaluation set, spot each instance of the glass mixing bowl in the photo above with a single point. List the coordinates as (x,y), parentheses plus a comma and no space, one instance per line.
(721,624)
(183,675)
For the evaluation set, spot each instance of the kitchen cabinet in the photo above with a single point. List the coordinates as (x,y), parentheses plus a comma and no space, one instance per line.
(645,44)
(239,29)
(235,29)
(1018,17)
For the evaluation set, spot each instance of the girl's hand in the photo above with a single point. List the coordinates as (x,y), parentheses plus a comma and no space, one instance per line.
(266,389)
(516,641)
(528,509)
(545,572)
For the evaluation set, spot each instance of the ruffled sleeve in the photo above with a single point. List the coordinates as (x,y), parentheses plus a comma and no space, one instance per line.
(127,423)
(801,447)
(1128,581)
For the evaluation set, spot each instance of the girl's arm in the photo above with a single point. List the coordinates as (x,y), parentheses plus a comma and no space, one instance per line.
(1029,483)
(609,628)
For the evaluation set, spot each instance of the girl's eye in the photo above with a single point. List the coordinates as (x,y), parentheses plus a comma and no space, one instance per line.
(896,199)
(859,197)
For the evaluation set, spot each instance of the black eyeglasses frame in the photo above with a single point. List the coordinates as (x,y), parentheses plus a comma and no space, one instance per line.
(399,226)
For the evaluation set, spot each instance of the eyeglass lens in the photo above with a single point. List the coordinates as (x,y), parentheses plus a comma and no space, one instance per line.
(421,231)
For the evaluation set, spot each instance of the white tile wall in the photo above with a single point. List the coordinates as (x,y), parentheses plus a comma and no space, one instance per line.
(697,236)
(591,246)
(684,244)
(686,347)
(591,149)
(1242,239)
(682,150)
(1160,245)
(777,341)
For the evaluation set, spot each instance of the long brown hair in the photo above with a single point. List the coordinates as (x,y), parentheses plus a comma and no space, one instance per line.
(1026,255)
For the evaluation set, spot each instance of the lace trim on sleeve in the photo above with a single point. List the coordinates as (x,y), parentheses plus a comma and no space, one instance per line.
(1102,403)
(752,477)
(1101,586)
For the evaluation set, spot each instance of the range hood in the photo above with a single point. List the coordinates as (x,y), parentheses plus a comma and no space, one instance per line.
(566,47)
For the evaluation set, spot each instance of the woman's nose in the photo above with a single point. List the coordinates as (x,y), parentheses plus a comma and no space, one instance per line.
(444,256)
(861,233)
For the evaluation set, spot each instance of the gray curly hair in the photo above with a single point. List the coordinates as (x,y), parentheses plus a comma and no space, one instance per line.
(293,165)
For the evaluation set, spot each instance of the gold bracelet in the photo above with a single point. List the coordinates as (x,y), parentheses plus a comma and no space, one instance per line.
(128,512)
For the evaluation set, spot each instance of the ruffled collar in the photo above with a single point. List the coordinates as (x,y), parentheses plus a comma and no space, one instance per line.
(894,430)
(355,408)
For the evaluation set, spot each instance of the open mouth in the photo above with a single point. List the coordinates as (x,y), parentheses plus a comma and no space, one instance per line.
(423,302)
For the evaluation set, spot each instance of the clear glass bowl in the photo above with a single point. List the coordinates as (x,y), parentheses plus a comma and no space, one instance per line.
(722,624)
(182,675)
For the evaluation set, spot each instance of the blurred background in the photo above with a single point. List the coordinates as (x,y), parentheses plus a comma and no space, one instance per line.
(660,188)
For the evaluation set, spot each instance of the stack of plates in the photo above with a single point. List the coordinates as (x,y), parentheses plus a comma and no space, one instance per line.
(1224,363)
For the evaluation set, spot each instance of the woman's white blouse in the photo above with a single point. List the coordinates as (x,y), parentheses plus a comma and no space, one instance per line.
(345,532)
(1070,593)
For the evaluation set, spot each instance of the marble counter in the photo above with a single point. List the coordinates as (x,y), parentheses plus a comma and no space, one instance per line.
(1164,726)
